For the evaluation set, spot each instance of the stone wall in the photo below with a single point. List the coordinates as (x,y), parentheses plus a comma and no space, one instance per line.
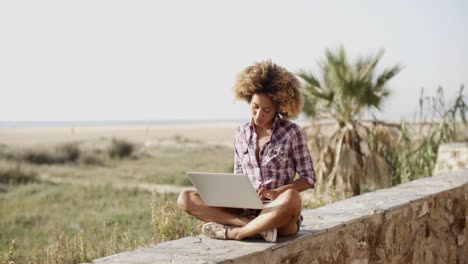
(423,221)
(419,222)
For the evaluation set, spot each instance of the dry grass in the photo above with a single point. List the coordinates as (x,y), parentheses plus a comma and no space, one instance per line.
(60,223)
(71,224)
(332,197)
(169,222)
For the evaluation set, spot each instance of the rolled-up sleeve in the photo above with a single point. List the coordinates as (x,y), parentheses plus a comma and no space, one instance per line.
(237,161)
(237,158)
(302,159)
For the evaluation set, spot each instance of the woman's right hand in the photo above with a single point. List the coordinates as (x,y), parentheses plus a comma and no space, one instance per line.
(265,194)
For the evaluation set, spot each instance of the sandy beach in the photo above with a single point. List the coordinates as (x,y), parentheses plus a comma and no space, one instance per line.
(208,133)
(22,137)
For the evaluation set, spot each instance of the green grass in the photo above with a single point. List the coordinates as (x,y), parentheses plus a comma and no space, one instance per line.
(170,165)
(159,165)
(68,223)
(130,163)
(35,215)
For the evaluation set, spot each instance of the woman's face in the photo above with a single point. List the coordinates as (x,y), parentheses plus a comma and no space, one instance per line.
(263,110)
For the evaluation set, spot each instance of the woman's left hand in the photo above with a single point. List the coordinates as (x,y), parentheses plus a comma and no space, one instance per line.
(271,195)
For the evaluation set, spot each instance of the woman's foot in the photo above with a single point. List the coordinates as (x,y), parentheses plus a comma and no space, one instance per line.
(219,231)
(215,230)
(270,235)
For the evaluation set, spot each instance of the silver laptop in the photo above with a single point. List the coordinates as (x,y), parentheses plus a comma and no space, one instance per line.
(226,190)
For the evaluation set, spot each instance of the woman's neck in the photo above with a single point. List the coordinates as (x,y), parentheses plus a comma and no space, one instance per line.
(266,126)
(264,129)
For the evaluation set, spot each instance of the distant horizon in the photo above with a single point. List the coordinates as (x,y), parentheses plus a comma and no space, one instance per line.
(81,123)
(156,122)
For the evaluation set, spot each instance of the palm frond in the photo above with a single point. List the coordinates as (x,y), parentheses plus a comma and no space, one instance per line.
(309,78)
(313,87)
(368,67)
(386,75)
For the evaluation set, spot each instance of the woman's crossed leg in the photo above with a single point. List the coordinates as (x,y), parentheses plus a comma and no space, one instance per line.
(281,214)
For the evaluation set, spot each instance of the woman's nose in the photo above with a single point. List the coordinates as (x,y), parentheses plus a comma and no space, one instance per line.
(259,113)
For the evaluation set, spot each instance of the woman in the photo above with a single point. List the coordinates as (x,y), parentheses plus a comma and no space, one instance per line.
(270,150)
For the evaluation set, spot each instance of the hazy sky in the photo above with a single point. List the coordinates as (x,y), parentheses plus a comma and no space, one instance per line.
(139,60)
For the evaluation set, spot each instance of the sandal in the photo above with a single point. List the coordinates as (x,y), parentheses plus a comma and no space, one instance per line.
(214,230)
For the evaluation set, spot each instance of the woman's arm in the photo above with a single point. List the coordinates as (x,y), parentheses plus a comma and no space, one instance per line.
(303,166)
(302,159)
(299,185)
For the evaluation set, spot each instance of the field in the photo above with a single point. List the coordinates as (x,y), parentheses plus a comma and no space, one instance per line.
(78,195)
(36,215)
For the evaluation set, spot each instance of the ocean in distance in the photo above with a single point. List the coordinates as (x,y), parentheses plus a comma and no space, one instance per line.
(34,124)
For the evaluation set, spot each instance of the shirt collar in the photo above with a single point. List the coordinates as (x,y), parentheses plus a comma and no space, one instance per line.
(274,126)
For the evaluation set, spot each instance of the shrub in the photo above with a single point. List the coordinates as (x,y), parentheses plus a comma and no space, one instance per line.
(6,153)
(16,174)
(120,148)
(69,152)
(38,156)
(91,159)
(66,153)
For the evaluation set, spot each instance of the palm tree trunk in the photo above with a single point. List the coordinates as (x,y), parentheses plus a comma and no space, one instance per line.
(353,140)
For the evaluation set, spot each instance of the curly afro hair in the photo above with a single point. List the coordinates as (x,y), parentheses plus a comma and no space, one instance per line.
(273,80)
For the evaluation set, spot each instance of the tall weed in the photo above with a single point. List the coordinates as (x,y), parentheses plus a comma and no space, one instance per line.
(415,153)
(84,246)
(169,222)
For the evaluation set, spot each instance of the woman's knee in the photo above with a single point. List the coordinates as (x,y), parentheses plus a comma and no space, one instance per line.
(292,198)
(185,200)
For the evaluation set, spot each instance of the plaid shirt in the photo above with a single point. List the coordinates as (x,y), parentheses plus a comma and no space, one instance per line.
(285,154)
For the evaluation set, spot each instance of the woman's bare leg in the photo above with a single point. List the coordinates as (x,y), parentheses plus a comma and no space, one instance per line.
(281,214)
(191,202)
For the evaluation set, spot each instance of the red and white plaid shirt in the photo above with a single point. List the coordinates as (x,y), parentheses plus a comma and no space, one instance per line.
(285,154)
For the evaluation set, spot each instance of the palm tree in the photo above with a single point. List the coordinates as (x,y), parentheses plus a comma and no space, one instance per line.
(344,93)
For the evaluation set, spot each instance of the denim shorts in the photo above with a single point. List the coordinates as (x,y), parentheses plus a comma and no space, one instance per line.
(299,223)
